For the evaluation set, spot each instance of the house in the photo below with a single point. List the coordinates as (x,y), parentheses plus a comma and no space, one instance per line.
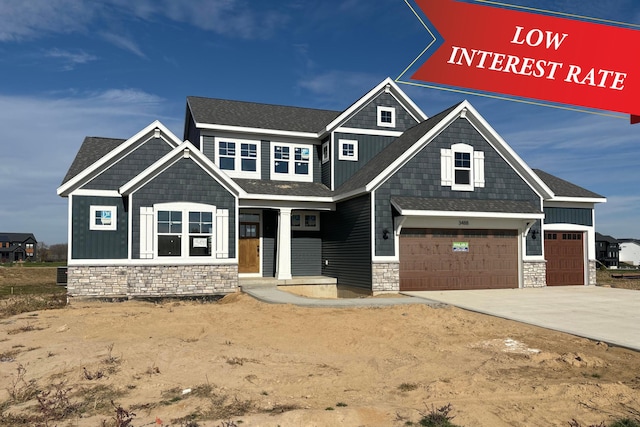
(607,250)
(630,251)
(17,247)
(375,198)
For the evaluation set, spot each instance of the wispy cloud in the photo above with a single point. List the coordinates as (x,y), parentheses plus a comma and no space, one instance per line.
(70,59)
(123,43)
(334,89)
(46,133)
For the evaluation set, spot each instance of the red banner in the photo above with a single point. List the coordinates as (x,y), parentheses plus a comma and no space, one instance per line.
(534,56)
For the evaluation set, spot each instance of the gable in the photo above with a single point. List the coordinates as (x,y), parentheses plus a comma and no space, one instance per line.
(367,116)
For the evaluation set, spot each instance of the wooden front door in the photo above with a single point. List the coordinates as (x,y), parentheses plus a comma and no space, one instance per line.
(564,252)
(249,248)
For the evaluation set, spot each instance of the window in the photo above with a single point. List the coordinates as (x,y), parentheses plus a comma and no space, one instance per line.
(348,150)
(291,162)
(103,218)
(303,220)
(184,231)
(387,117)
(462,168)
(325,152)
(237,157)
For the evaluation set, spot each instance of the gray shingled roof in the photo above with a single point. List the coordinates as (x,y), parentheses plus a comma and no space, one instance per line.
(92,149)
(605,238)
(284,188)
(564,188)
(255,115)
(392,152)
(466,205)
(16,237)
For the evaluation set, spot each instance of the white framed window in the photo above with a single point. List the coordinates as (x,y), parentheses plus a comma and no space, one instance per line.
(462,168)
(305,220)
(184,231)
(103,218)
(326,153)
(386,117)
(239,158)
(348,150)
(291,162)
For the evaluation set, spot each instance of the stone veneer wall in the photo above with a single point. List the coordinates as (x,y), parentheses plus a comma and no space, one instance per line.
(535,274)
(385,277)
(592,272)
(151,280)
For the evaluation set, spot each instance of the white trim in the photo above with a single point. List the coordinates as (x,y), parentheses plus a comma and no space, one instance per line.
(577,199)
(326,154)
(302,204)
(130,227)
(237,172)
(382,109)
(96,168)
(385,259)
(257,131)
(290,175)
(96,193)
(283,249)
(70,227)
(459,214)
(375,132)
(462,149)
(342,156)
(112,224)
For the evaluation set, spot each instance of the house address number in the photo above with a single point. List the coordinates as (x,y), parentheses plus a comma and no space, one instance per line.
(463,222)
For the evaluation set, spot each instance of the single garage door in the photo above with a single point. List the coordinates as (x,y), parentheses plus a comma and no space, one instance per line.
(564,252)
(439,259)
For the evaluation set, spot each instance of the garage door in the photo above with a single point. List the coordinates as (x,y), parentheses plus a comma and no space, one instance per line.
(438,259)
(564,252)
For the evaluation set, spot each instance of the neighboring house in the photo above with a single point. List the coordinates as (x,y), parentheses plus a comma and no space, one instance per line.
(607,250)
(630,251)
(17,247)
(378,198)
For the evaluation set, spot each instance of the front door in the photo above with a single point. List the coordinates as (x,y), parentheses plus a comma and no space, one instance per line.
(249,246)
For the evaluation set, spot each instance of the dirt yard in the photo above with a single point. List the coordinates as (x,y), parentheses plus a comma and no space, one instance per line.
(246,363)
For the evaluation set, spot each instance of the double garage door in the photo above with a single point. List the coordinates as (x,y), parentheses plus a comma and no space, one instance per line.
(443,259)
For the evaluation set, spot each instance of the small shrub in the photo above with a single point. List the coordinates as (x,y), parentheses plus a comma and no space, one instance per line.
(437,417)
(341,404)
(407,387)
(20,389)
(54,404)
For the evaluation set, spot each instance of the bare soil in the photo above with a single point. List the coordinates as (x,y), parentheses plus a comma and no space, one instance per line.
(246,363)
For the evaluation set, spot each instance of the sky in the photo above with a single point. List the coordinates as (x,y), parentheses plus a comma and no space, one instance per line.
(76,68)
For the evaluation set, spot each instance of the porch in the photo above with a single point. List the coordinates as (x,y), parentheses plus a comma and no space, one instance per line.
(307,286)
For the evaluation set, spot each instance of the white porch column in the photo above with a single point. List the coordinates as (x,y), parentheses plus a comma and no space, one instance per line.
(283,250)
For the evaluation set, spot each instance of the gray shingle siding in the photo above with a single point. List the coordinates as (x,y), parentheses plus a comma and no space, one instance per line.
(184,181)
(346,242)
(420,177)
(367,117)
(97,244)
(368,147)
(577,216)
(137,160)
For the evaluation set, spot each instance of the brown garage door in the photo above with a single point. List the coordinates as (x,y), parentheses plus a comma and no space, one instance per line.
(564,252)
(438,259)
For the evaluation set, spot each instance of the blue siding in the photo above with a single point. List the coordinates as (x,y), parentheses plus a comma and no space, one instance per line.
(183,182)
(420,177)
(368,147)
(346,242)
(97,244)
(306,253)
(367,117)
(268,249)
(577,216)
(138,159)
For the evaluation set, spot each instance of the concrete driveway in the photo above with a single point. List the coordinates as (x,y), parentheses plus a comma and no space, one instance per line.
(603,314)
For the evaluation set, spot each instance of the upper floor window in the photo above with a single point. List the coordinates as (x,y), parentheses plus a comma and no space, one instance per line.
(386,117)
(325,152)
(291,162)
(462,168)
(348,149)
(239,158)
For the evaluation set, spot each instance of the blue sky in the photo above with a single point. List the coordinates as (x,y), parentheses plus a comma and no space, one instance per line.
(74,68)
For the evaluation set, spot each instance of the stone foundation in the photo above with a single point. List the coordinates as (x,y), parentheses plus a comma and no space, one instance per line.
(592,272)
(151,280)
(534,274)
(385,277)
